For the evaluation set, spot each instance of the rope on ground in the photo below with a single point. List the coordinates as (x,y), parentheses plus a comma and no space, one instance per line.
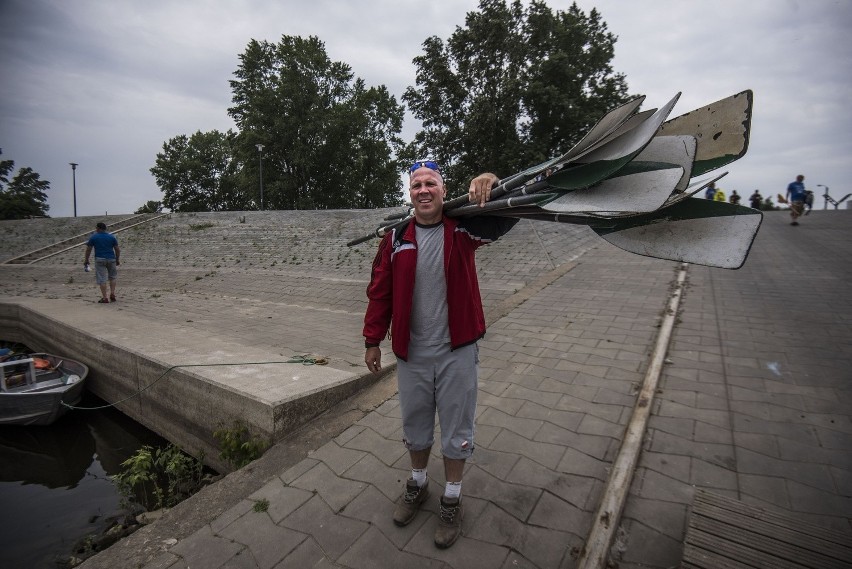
(306,359)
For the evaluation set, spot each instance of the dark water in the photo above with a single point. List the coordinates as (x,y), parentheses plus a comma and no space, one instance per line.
(54,482)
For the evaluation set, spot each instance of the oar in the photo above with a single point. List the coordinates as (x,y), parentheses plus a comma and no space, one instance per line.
(679,149)
(380,231)
(625,127)
(721,128)
(605,160)
(605,126)
(700,231)
(643,190)
(502,204)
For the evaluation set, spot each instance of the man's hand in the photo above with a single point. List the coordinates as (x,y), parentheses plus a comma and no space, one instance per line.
(480,188)
(373,359)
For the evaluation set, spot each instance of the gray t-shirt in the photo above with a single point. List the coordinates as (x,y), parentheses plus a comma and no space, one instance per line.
(429,322)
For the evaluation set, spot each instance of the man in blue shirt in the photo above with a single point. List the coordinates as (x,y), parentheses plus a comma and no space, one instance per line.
(710,192)
(107,255)
(796,198)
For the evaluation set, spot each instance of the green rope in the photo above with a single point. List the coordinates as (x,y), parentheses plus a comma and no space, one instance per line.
(304,360)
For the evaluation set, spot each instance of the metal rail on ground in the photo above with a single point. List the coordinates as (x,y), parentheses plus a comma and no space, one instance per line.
(72,242)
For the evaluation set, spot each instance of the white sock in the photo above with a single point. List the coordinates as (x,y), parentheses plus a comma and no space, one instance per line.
(452,490)
(419,475)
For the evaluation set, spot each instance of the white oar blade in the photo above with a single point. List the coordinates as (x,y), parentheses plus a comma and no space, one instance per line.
(633,141)
(721,128)
(703,232)
(679,149)
(606,125)
(628,125)
(637,192)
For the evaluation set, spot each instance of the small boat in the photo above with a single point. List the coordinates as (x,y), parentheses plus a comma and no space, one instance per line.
(33,388)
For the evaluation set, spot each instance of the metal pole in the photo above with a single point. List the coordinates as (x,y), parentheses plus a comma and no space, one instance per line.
(260,158)
(825,196)
(74,182)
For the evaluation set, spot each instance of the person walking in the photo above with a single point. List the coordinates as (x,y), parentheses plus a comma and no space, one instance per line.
(795,196)
(735,198)
(107,258)
(710,192)
(719,196)
(756,199)
(424,288)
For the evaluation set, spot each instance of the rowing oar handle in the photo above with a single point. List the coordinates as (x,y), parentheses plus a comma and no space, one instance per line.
(360,240)
(380,232)
(501,188)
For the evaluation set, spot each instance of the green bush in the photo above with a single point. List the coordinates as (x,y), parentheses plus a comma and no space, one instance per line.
(238,446)
(160,478)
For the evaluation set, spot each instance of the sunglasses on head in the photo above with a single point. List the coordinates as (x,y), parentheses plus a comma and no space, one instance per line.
(425,164)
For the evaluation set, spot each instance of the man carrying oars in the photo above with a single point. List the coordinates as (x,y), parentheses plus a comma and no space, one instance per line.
(424,288)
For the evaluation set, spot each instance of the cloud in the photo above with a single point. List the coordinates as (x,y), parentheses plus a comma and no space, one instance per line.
(105,84)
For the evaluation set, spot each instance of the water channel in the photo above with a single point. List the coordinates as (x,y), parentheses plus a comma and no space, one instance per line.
(54,482)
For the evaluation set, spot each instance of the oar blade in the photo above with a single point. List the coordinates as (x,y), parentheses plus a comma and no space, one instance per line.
(609,158)
(722,130)
(703,232)
(676,149)
(606,125)
(641,191)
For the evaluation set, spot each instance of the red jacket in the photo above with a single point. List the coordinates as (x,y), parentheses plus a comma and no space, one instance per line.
(391,289)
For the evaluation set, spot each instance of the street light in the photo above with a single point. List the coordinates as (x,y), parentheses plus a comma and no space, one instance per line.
(74,178)
(825,203)
(260,158)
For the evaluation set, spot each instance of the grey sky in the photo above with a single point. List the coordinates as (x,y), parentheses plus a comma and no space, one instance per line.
(104,84)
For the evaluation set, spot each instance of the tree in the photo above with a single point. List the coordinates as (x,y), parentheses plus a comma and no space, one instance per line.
(329,141)
(150,206)
(199,173)
(23,196)
(511,88)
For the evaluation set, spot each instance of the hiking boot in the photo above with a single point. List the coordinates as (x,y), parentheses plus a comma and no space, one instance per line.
(449,524)
(409,502)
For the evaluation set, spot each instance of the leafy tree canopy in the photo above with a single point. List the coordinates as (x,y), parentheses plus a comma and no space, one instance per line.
(199,173)
(25,195)
(329,141)
(512,88)
(150,206)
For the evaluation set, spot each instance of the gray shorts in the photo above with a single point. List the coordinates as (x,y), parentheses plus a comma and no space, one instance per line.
(105,269)
(437,378)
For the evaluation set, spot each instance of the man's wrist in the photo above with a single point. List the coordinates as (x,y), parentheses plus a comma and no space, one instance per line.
(368,344)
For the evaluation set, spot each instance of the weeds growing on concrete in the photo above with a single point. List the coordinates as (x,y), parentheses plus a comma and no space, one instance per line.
(238,446)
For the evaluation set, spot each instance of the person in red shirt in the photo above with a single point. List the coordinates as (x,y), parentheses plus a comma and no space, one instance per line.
(424,288)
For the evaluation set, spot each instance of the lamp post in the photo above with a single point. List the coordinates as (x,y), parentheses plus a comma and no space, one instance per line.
(260,158)
(74,182)
(825,196)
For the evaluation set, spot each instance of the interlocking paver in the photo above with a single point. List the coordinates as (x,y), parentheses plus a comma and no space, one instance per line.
(267,542)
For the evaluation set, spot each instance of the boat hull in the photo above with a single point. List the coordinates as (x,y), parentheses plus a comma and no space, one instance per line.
(43,402)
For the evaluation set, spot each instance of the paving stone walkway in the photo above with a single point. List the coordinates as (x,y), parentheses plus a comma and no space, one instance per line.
(755,400)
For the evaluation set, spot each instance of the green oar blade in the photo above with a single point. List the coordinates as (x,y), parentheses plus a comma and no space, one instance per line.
(721,128)
(699,231)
